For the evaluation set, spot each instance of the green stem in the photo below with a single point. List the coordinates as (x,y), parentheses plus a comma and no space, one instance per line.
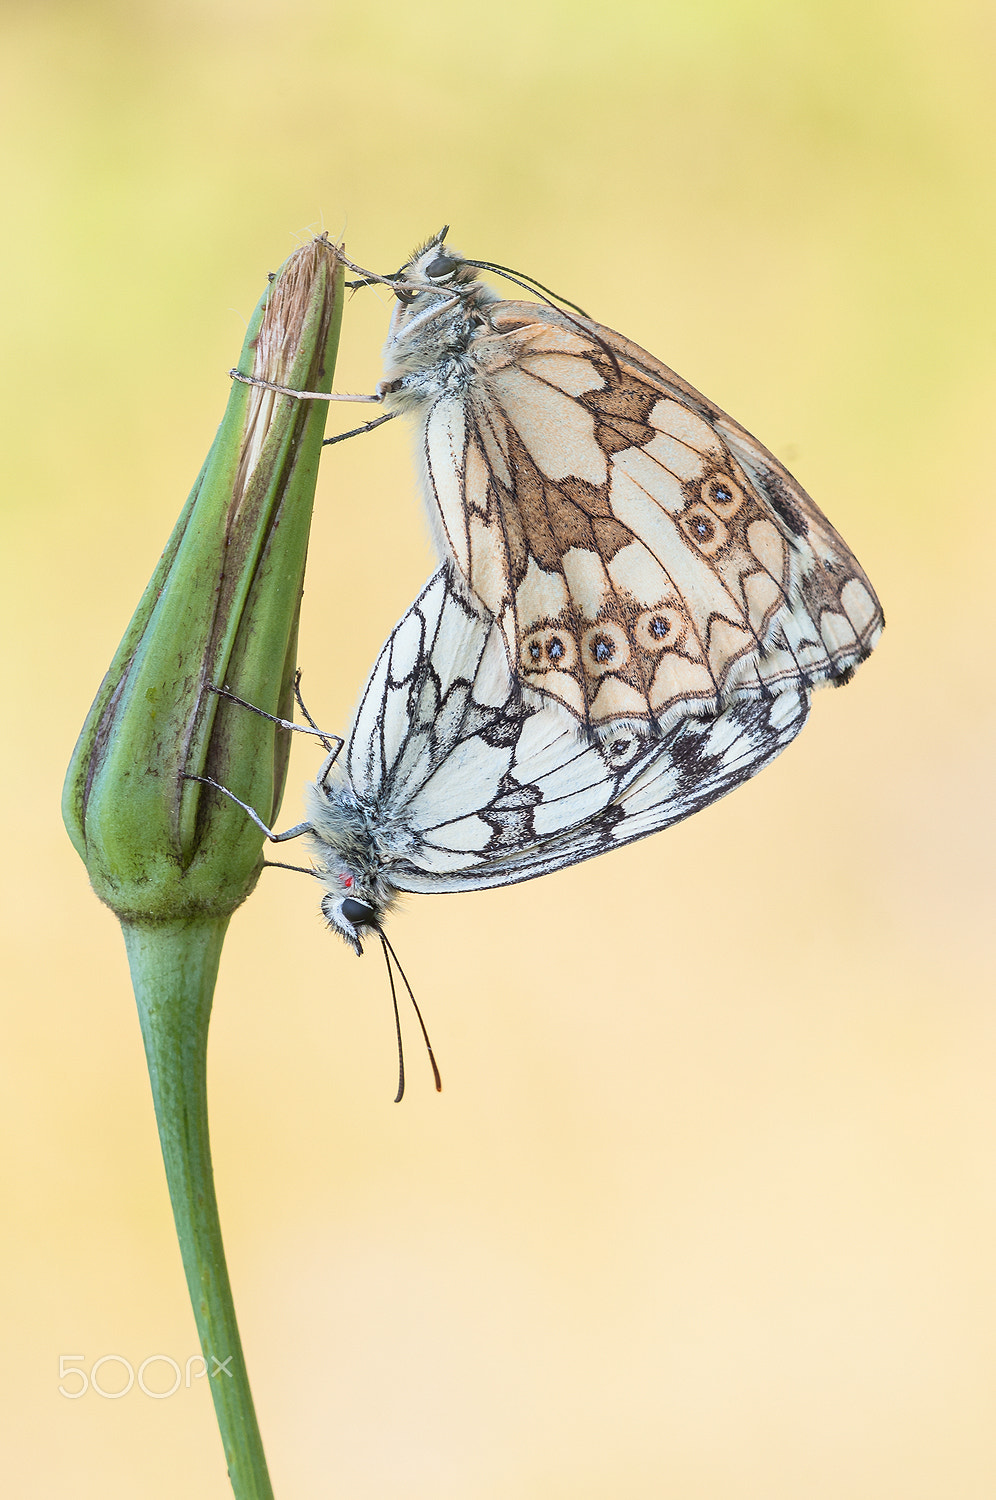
(174,966)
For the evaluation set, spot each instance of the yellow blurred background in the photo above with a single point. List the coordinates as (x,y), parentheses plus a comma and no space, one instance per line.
(708,1206)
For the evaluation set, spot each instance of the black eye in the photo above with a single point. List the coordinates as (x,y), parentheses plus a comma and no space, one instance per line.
(443,265)
(356,911)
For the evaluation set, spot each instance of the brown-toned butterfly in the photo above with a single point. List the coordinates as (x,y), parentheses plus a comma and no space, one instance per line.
(645,557)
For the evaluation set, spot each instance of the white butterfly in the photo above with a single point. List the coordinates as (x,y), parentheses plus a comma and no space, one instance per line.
(455,779)
(643,555)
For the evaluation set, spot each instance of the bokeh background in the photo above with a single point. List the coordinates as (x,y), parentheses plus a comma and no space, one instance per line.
(708,1205)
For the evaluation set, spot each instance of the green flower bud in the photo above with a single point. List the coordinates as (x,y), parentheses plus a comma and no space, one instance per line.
(221,609)
(161,850)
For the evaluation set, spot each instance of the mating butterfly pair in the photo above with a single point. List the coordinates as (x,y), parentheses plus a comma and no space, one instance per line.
(636,602)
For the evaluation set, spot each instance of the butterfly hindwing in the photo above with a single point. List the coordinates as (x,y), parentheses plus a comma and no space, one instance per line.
(698,762)
(643,555)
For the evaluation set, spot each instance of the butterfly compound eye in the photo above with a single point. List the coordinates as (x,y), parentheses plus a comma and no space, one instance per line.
(443,265)
(356,911)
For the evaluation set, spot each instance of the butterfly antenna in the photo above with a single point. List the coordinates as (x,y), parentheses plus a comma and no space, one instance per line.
(397,1020)
(529,285)
(425,1035)
(527,282)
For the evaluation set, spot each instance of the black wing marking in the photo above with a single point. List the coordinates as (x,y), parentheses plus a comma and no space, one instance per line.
(700,761)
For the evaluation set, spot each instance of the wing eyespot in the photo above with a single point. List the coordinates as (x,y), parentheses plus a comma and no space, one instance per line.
(549,649)
(660,629)
(722,495)
(604,648)
(705,530)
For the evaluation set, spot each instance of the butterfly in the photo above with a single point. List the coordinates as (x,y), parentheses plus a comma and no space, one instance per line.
(455,778)
(646,559)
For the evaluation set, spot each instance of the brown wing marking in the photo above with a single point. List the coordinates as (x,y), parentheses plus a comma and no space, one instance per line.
(579,632)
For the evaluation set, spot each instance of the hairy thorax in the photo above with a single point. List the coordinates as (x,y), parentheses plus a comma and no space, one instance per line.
(430,348)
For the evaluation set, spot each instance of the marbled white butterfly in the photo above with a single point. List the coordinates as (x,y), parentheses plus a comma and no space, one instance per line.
(454,778)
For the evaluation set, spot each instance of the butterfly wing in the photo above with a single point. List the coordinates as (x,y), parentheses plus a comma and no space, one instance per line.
(644,556)
(698,762)
(448,752)
(468,781)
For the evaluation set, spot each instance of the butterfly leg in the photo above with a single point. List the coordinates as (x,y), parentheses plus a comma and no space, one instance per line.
(275,838)
(356,431)
(333,743)
(286,390)
(333,750)
(310,728)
